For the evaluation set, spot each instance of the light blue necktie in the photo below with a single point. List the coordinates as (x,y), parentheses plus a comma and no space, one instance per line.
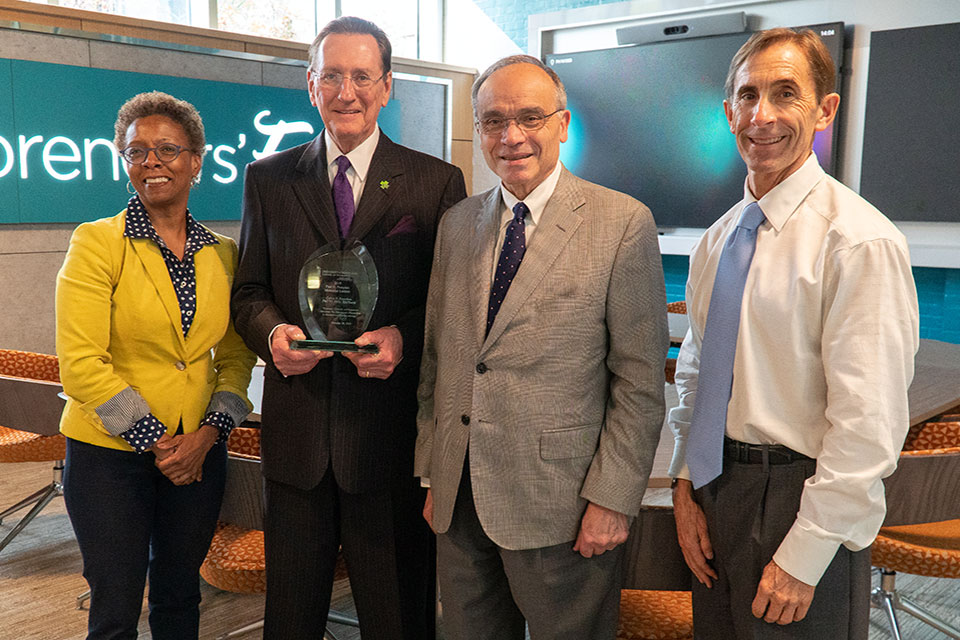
(715,380)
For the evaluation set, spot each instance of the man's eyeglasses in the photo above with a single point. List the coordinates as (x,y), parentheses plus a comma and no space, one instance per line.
(166,152)
(526,120)
(333,79)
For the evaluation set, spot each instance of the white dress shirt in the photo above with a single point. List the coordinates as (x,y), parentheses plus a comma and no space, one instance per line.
(828,332)
(536,202)
(359,159)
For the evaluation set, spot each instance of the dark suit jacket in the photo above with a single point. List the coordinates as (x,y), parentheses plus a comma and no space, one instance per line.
(364,428)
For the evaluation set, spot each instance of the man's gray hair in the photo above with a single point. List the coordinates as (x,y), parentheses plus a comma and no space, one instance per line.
(520,59)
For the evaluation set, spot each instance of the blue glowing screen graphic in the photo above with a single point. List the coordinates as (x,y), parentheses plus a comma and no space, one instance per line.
(648,120)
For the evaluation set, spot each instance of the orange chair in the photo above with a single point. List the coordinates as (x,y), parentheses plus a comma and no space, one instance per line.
(680,306)
(655,615)
(921,535)
(24,446)
(235,561)
(655,602)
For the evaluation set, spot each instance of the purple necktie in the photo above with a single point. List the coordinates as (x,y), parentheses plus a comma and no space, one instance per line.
(514,246)
(719,347)
(343,196)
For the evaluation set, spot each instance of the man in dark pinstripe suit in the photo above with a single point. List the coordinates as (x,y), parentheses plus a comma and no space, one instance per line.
(338,432)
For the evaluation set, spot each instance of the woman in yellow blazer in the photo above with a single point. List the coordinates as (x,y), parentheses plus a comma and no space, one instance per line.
(156,378)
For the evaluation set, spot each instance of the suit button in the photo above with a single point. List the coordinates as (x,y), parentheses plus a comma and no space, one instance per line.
(180,365)
(465,419)
(481,368)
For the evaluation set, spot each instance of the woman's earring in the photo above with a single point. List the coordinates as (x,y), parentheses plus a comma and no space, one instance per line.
(195,180)
(130,188)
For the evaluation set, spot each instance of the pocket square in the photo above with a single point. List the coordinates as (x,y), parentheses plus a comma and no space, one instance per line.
(406,224)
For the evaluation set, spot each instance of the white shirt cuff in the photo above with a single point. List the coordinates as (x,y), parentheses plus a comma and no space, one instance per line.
(804,555)
(270,338)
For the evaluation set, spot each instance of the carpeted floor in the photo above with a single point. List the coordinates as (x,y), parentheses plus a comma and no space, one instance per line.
(40,579)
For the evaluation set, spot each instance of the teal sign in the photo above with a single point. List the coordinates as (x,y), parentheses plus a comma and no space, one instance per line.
(58,164)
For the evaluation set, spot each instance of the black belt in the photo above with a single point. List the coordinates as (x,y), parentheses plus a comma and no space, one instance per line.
(746,453)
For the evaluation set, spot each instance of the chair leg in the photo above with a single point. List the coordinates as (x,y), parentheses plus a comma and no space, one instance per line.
(883,598)
(42,498)
(339,618)
(46,495)
(886,598)
(923,615)
(34,497)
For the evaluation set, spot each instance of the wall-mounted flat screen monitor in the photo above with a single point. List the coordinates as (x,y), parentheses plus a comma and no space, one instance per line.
(911,134)
(648,120)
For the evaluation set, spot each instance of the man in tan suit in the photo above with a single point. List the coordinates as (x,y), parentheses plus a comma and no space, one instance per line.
(541,391)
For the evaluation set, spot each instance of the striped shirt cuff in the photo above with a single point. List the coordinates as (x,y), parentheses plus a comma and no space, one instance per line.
(231,404)
(123,411)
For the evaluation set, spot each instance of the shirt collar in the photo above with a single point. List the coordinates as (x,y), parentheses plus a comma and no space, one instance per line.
(138,225)
(359,158)
(779,203)
(536,200)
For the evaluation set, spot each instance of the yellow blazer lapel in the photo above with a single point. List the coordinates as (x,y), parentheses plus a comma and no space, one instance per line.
(557,225)
(209,269)
(149,254)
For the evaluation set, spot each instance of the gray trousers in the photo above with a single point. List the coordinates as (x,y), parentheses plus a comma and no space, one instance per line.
(749,510)
(488,592)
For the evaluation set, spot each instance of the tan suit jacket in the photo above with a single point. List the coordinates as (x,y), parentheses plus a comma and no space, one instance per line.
(562,403)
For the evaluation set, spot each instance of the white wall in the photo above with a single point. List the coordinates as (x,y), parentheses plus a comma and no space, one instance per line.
(931,244)
(472,39)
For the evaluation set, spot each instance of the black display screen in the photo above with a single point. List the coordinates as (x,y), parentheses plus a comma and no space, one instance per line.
(648,120)
(911,135)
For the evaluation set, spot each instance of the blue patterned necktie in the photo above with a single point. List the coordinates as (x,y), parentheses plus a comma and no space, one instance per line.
(514,246)
(715,379)
(343,196)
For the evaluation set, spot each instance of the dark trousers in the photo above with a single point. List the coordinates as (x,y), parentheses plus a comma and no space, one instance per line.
(489,592)
(749,510)
(388,548)
(132,523)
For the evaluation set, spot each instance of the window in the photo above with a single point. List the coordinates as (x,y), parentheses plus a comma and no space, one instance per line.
(398,18)
(413,26)
(284,19)
(177,11)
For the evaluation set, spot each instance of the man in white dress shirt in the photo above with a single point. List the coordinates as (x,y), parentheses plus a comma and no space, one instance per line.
(816,412)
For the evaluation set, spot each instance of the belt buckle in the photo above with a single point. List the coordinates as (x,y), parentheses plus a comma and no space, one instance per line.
(743,451)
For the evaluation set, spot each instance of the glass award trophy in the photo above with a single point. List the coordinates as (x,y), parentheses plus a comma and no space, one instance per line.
(338,292)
